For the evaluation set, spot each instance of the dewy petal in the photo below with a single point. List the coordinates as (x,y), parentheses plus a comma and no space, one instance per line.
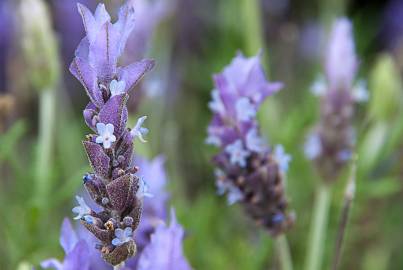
(132,73)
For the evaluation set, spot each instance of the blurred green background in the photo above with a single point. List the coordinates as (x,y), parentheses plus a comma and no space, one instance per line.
(41,125)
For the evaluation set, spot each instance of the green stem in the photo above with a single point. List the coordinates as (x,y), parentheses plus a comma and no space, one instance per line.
(253,28)
(347,203)
(317,235)
(284,253)
(47,105)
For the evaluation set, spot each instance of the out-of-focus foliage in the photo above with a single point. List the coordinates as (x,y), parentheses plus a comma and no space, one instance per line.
(197,39)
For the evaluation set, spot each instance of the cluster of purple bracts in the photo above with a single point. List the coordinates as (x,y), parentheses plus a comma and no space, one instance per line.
(249,171)
(159,246)
(331,143)
(113,185)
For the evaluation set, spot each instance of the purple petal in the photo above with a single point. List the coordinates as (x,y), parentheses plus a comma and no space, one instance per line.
(227,95)
(68,237)
(165,249)
(82,50)
(100,162)
(88,21)
(101,15)
(115,112)
(87,76)
(341,61)
(78,257)
(132,73)
(124,25)
(103,52)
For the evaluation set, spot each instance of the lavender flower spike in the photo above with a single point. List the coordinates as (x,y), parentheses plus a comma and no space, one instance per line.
(330,145)
(113,184)
(248,170)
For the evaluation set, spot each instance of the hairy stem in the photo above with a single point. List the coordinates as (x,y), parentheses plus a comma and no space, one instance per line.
(317,234)
(47,105)
(284,253)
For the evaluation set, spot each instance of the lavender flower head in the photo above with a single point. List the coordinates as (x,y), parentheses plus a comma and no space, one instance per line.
(249,171)
(113,184)
(330,145)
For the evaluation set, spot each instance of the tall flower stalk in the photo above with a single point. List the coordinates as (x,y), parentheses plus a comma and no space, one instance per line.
(248,170)
(113,184)
(41,56)
(330,146)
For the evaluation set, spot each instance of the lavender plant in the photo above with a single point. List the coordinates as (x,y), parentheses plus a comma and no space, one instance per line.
(248,170)
(330,145)
(113,184)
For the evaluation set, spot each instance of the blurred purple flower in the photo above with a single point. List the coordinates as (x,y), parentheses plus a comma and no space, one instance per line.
(248,170)
(330,144)
(341,62)
(155,208)
(240,89)
(149,14)
(391,30)
(165,249)
(6,34)
(79,251)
